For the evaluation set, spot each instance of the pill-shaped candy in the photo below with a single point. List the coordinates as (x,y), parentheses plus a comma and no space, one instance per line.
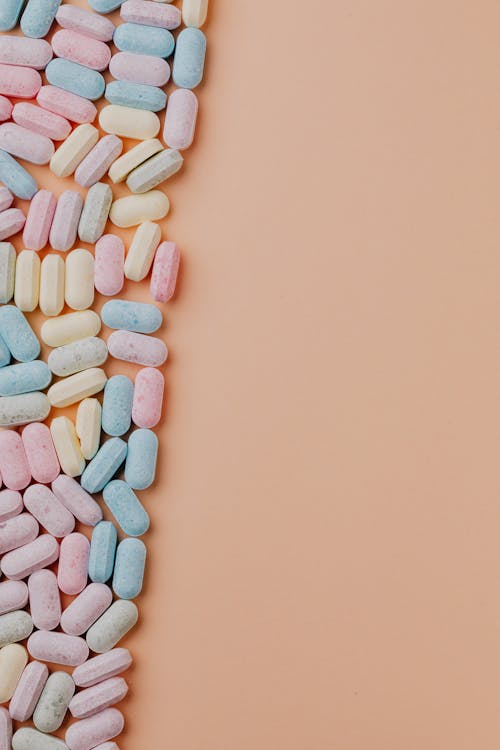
(89,733)
(97,162)
(129,568)
(98,697)
(14,466)
(28,691)
(194,12)
(137,348)
(76,500)
(73,564)
(39,220)
(5,108)
(117,405)
(69,327)
(11,504)
(104,465)
(31,53)
(13,595)
(49,511)
(40,453)
(4,354)
(109,260)
(41,121)
(122,167)
(10,11)
(18,334)
(52,284)
(165,271)
(129,66)
(7,270)
(180,119)
(28,738)
(85,22)
(23,561)
(148,397)
(14,627)
(131,316)
(129,123)
(21,83)
(79,284)
(95,213)
(74,149)
(38,17)
(78,48)
(73,107)
(77,387)
(155,171)
(137,95)
(144,40)
(102,667)
(88,426)
(112,626)
(136,209)
(78,356)
(105,6)
(26,144)
(16,178)
(17,531)
(54,701)
(5,730)
(27,281)
(11,222)
(66,219)
(20,410)
(75,78)
(125,506)
(58,648)
(86,609)
(140,466)
(24,378)
(102,552)
(13,659)
(189,58)
(6,199)
(45,602)
(149,13)
(67,446)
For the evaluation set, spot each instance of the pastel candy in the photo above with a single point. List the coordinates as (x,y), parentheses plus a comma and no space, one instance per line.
(194,12)
(66,219)
(144,40)
(140,466)
(10,10)
(77,356)
(112,626)
(18,335)
(14,627)
(4,354)
(77,387)
(54,701)
(13,595)
(102,552)
(148,397)
(27,282)
(180,119)
(86,609)
(136,209)
(97,162)
(24,378)
(94,699)
(31,53)
(165,271)
(13,658)
(137,95)
(128,122)
(52,282)
(131,316)
(73,564)
(41,121)
(142,250)
(109,260)
(75,78)
(28,738)
(126,508)
(5,729)
(104,465)
(129,568)
(102,667)
(117,405)
(49,511)
(189,58)
(105,6)
(6,198)
(81,49)
(74,149)
(137,348)
(72,106)
(129,66)
(88,426)
(58,648)
(67,446)
(19,82)
(28,691)
(89,733)
(11,504)
(79,284)
(5,108)
(15,532)
(122,167)
(85,22)
(23,561)
(150,13)
(76,500)
(95,213)
(40,453)
(11,222)
(70,327)
(24,143)
(20,410)
(38,17)
(39,220)
(45,603)
(13,462)
(16,178)
(155,171)
(7,271)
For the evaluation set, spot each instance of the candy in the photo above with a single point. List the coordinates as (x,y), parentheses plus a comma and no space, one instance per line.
(13,462)
(18,334)
(189,58)
(165,271)
(78,356)
(88,426)
(117,405)
(129,568)
(19,82)
(86,609)
(136,209)
(109,260)
(26,144)
(5,730)
(17,531)
(24,378)
(18,50)
(88,733)
(6,198)
(73,107)
(41,121)
(129,123)
(180,119)
(151,14)
(11,222)
(79,285)
(77,79)
(104,465)
(76,500)
(105,6)
(78,48)
(144,40)
(15,626)
(49,511)
(194,12)
(5,108)
(102,552)
(45,604)
(122,167)
(39,220)
(137,95)
(141,253)
(38,17)
(52,281)
(97,162)
(16,178)
(77,387)
(67,446)
(27,738)
(28,691)
(112,626)
(73,564)
(10,11)
(137,348)
(74,149)
(13,659)
(7,271)
(27,281)
(148,397)
(20,410)
(54,701)
(95,213)
(155,171)
(140,466)
(40,453)
(94,699)
(129,66)
(126,508)
(68,328)
(13,595)
(102,667)
(131,316)
(11,504)
(66,219)
(58,648)
(38,554)
(4,354)
(87,23)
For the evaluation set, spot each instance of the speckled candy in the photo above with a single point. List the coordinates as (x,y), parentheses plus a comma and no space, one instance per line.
(95,213)
(13,462)
(54,701)
(102,667)
(89,733)
(73,564)
(129,568)
(75,78)
(108,270)
(102,552)
(58,648)
(73,107)
(98,161)
(38,17)
(28,691)
(126,508)
(104,465)
(131,316)
(144,40)
(39,220)
(66,219)
(165,272)
(148,397)
(38,554)
(18,50)
(40,452)
(136,95)
(86,608)
(16,178)
(140,466)
(79,48)
(117,405)
(76,500)
(45,603)
(137,348)
(11,222)
(129,66)
(41,121)
(85,22)
(18,334)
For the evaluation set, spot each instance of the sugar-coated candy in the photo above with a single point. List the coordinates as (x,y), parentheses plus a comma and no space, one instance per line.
(11,222)
(104,465)
(95,213)
(73,563)
(109,255)
(88,426)
(24,378)
(23,561)
(11,504)
(129,568)
(76,387)
(54,701)
(43,505)
(10,10)
(137,348)
(6,199)
(39,220)
(194,12)
(31,53)
(79,283)
(28,691)
(148,397)
(17,531)
(52,283)
(45,602)
(89,733)
(13,659)
(7,271)
(76,500)
(67,446)
(122,167)
(5,729)
(98,160)
(14,465)
(27,738)
(75,78)
(165,271)
(144,40)
(126,508)
(129,123)
(5,108)
(74,149)
(155,171)
(14,627)
(79,48)
(85,22)
(73,107)
(140,317)
(40,453)
(88,606)
(27,280)
(78,356)
(70,327)
(38,17)
(25,144)
(13,595)
(19,82)
(189,58)
(18,334)
(19,410)
(102,667)
(117,405)
(57,648)
(41,121)
(4,354)
(105,6)
(98,697)
(136,209)
(16,178)
(66,219)
(129,66)
(112,626)
(102,552)
(140,465)
(142,250)
(180,119)
(136,95)
(148,13)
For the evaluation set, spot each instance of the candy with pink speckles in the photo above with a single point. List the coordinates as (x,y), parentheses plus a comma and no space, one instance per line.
(137,348)
(108,270)
(89,733)
(21,83)
(78,48)
(165,271)
(64,103)
(5,108)
(73,564)
(39,220)
(148,397)
(40,452)
(14,465)
(11,222)
(11,504)
(41,121)
(45,603)
(28,691)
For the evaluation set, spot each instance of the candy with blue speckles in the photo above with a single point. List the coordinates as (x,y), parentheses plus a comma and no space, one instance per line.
(16,178)
(75,78)
(125,506)
(105,6)
(136,95)
(102,552)
(140,466)
(145,40)
(189,58)
(19,410)
(10,10)
(24,378)
(18,334)
(129,568)
(38,17)
(140,317)
(117,405)
(104,465)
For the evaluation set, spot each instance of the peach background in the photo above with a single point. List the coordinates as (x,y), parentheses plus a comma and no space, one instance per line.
(323,565)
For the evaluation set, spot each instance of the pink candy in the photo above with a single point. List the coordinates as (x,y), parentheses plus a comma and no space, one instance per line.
(66,219)
(88,733)
(17,532)
(127,66)
(137,348)
(73,563)
(165,271)
(88,23)
(28,691)
(180,119)
(39,220)
(58,648)
(41,121)
(148,13)
(5,730)
(108,270)
(6,199)
(11,222)
(5,109)
(21,83)
(81,49)
(94,699)
(26,144)
(102,667)
(38,554)
(40,452)
(86,608)
(13,462)
(72,495)
(13,595)
(148,397)
(48,510)
(98,160)
(73,107)
(19,50)
(45,603)
(11,504)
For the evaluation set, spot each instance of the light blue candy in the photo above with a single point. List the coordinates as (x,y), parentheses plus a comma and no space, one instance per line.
(140,466)
(140,317)
(104,465)
(75,78)
(102,552)
(9,13)
(126,508)
(24,378)
(129,568)
(189,58)
(105,6)
(4,354)
(136,95)
(144,40)
(18,334)
(38,17)
(16,178)
(117,405)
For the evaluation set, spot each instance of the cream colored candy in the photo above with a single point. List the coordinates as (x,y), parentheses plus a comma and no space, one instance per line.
(134,209)
(70,327)
(122,167)
(142,250)
(155,171)
(15,626)
(138,124)
(23,409)
(79,284)
(194,12)
(67,446)
(77,387)
(95,213)
(27,738)
(78,356)
(27,281)
(74,149)
(88,426)
(52,285)
(53,702)
(13,659)
(110,628)
(7,271)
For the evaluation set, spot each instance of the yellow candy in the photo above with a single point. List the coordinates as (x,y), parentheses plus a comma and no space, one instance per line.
(79,286)
(74,150)
(52,285)
(134,209)
(13,659)
(76,387)
(67,446)
(142,250)
(27,281)
(122,167)
(88,426)
(71,327)
(139,124)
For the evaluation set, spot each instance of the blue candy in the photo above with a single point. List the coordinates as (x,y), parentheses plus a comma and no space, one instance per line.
(105,6)
(9,13)
(102,552)
(105,463)
(117,405)
(24,378)
(129,568)
(144,40)
(4,354)
(189,58)
(140,466)
(16,178)
(136,95)
(18,334)
(75,78)
(140,317)
(126,508)
(38,17)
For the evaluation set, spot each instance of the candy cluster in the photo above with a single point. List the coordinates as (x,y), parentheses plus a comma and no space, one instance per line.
(69,577)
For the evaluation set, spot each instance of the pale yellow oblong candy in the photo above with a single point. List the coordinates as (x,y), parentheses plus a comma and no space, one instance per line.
(122,167)
(194,12)
(79,285)
(76,387)
(74,150)
(70,327)
(67,446)
(27,281)
(138,124)
(13,659)
(142,250)
(134,209)
(88,426)
(52,285)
